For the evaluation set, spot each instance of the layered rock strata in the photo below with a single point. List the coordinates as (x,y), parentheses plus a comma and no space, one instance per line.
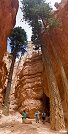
(3,77)
(29,90)
(59,39)
(8,11)
(17,68)
(4,70)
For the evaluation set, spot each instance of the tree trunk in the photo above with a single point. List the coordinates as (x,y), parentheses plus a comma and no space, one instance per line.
(56,110)
(17,70)
(8,88)
(63,76)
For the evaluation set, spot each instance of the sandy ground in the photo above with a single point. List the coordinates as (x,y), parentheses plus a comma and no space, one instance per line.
(12,124)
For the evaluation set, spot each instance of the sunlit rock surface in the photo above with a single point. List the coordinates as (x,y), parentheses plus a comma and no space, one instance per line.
(17,68)
(30,78)
(29,90)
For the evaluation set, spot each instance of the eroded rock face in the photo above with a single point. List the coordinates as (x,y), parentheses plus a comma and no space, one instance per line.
(8,11)
(3,77)
(58,37)
(4,70)
(29,90)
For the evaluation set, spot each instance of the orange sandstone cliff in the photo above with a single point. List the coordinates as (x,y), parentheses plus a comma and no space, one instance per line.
(29,90)
(32,84)
(8,11)
(58,37)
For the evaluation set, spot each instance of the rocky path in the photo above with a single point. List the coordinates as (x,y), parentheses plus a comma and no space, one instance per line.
(12,124)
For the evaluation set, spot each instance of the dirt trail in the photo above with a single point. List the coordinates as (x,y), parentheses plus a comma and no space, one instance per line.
(12,124)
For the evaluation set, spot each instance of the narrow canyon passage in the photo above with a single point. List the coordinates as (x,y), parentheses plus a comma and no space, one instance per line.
(40,78)
(46,105)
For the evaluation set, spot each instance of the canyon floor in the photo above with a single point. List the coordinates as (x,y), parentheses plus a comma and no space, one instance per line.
(12,124)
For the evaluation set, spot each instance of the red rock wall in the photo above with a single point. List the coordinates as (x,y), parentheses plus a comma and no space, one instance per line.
(3,77)
(8,10)
(29,89)
(58,37)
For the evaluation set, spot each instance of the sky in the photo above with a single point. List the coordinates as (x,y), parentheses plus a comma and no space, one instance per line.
(24,25)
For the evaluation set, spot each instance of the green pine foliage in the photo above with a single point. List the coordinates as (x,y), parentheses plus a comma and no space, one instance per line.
(38,13)
(18,39)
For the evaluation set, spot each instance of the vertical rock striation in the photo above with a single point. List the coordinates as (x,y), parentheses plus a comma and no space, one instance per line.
(8,11)
(58,38)
(29,90)
(3,77)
